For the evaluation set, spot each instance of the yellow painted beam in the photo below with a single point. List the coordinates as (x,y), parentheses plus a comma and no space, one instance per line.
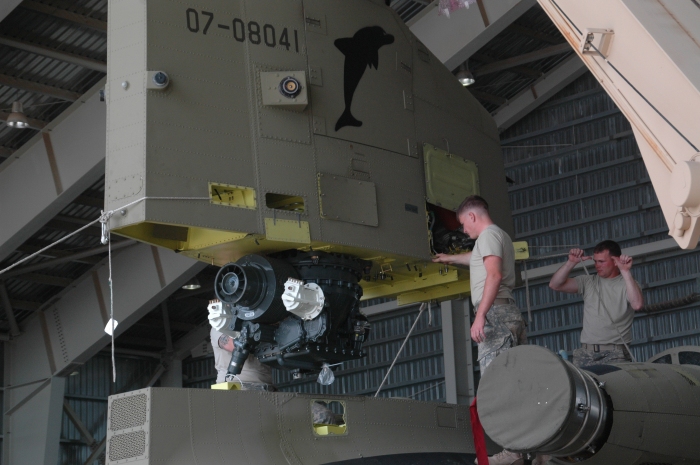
(437,292)
(409,284)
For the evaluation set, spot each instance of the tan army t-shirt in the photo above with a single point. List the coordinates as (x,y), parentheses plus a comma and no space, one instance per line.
(492,241)
(597,325)
(253,371)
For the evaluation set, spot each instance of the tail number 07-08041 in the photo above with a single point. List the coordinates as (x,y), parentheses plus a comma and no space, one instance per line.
(251,31)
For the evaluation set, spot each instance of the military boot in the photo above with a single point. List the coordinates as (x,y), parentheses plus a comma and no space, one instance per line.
(505,457)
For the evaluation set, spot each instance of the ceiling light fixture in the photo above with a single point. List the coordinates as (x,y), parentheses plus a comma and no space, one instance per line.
(17,119)
(192,284)
(464,76)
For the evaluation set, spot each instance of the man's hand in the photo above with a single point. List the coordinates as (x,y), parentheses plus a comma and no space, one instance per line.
(444,258)
(576,256)
(477,330)
(458,259)
(623,262)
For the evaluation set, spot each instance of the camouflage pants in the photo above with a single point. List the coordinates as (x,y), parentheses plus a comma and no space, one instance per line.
(504,329)
(586,357)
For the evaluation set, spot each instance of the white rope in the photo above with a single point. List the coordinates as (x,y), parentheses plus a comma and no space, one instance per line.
(106,240)
(426,389)
(104,218)
(420,312)
(111,303)
(49,246)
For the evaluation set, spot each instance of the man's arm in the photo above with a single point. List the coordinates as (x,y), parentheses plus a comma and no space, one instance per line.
(634,293)
(560,280)
(226,343)
(459,259)
(494,275)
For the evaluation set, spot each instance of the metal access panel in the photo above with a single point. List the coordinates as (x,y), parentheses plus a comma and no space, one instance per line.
(345,199)
(449,179)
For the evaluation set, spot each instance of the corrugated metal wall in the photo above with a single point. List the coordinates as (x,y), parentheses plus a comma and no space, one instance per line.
(580,179)
(198,372)
(418,373)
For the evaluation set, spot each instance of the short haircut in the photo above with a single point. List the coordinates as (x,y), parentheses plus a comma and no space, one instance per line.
(472,202)
(611,246)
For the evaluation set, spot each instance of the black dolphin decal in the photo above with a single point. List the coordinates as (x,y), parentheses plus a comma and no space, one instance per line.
(361,51)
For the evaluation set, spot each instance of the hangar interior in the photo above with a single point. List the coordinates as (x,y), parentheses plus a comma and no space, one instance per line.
(575,177)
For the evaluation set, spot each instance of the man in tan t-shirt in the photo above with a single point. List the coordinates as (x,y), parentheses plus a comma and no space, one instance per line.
(610,299)
(498,325)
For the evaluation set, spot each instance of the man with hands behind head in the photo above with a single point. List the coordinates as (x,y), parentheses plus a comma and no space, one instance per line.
(610,299)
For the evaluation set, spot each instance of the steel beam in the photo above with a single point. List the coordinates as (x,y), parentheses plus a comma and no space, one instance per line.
(68,258)
(522,70)
(137,353)
(45,279)
(539,92)
(166,328)
(88,63)
(143,341)
(86,21)
(453,40)
(155,323)
(457,346)
(90,201)
(488,97)
(6,152)
(6,7)
(181,349)
(54,252)
(97,452)
(74,162)
(35,87)
(71,331)
(32,420)
(75,419)
(9,310)
(523,59)
(160,369)
(534,34)
(27,305)
(183,346)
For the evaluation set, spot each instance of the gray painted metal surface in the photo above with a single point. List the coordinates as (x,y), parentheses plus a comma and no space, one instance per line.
(185,426)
